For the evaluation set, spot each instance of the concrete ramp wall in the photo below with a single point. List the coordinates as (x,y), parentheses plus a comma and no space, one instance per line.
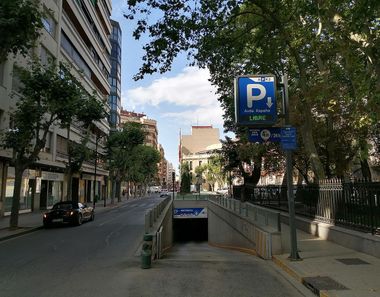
(159,223)
(244,227)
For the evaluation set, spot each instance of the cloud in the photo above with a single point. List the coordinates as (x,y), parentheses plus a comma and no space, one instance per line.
(210,115)
(189,88)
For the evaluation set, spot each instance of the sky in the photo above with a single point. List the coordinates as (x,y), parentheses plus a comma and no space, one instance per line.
(176,100)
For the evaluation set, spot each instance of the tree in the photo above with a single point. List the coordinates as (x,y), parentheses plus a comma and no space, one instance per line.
(47,97)
(88,111)
(121,146)
(20,24)
(215,171)
(185,178)
(143,167)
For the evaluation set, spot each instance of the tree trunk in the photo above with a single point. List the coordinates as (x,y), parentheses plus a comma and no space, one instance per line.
(128,189)
(366,172)
(13,222)
(311,151)
(118,190)
(113,189)
(69,175)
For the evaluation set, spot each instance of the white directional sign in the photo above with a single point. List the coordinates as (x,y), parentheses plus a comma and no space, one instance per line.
(255,100)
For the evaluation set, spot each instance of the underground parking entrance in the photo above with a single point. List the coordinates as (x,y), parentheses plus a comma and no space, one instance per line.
(190,230)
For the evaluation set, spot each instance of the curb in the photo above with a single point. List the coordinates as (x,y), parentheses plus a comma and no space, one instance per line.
(282,264)
(30,230)
(287,269)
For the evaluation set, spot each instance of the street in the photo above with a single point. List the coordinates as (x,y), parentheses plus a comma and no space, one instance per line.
(99,259)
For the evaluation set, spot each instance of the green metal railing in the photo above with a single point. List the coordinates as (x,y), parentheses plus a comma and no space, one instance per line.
(351,204)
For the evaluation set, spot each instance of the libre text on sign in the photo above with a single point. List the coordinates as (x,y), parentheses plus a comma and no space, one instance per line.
(255,100)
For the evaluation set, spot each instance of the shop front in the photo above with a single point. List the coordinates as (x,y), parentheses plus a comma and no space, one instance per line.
(50,189)
(88,187)
(27,184)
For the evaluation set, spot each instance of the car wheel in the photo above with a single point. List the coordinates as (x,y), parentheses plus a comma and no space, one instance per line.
(46,225)
(79,220)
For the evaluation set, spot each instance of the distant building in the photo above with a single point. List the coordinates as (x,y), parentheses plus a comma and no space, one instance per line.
(149,125)
(114,79)
(197,148)
(74,32)
(162,168)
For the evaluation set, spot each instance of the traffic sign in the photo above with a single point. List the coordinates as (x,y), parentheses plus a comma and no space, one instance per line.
(265,135)
(288,138)
(255,100)
(186,213)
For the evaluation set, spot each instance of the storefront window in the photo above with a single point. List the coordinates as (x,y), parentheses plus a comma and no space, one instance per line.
(54,192)
(26,190)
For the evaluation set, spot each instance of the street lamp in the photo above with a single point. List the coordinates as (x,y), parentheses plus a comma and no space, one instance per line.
(97,138)
(173,181)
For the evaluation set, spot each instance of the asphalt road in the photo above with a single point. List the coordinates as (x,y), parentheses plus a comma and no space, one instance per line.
(99,259)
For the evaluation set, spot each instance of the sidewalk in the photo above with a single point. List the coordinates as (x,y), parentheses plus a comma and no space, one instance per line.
(32,221)
(329,269)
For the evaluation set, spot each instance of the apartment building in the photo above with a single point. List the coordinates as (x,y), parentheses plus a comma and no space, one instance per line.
(162,168)
(75,32)
(149,126)
(115,76)
(196,148)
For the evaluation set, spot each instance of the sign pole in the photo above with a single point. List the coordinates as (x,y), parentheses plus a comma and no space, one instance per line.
(289,177)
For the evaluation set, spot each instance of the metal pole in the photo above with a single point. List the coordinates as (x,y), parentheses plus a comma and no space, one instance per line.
(173,181)
(95,167)
(289,178)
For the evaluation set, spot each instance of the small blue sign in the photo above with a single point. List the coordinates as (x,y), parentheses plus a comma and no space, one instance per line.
(190,212)
(265,135)
(255,100)
(289,138)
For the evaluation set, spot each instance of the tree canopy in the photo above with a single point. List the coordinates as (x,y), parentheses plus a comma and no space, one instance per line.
(48,96)
(328,49)
(20,24)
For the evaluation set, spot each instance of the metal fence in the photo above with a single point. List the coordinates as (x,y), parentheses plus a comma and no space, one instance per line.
(351,204)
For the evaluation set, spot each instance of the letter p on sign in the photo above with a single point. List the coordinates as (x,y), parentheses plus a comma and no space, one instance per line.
(251,97)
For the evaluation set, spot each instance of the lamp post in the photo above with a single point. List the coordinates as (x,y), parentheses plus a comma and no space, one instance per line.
(95,166)
(97,138)
(173,181)
(289,171)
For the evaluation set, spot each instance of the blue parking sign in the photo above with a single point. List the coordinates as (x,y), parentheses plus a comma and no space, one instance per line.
(255,100)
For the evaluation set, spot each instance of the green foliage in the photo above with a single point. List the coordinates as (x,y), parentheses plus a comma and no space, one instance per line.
(79,152)
(20,24)
(46,98)
(215,172)
(129,158)
(328,49)
(185,178)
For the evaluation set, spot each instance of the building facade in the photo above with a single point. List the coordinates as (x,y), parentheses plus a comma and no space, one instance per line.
(196,149)
(115,76)
(149,126)
(76,33)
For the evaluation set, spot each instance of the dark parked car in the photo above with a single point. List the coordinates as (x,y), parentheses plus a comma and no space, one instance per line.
(68,212)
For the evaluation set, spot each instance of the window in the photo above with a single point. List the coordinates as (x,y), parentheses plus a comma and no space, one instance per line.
(191,165)
(46,57)
(73,53)
(200,163)
(16,82)
(61,145)
(49,24)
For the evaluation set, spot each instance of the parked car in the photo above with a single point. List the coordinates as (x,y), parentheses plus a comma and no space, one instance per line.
(164,193)
(223,191)
(68,212)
